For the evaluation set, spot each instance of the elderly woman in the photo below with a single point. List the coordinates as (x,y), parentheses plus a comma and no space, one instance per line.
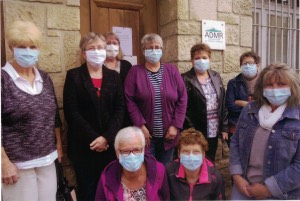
(193,177)
(134,176)
(30,120)
(206,110)
(156,99)
(265,149)
(94,109)
(240,89)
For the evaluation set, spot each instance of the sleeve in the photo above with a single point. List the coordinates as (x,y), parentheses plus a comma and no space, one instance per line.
(116,121)
(187,121)
(58,123)
(181,105)
(130,90)
(71,111)
(220,192)
(165,191)
(231,98)
(100,192)
(224,111)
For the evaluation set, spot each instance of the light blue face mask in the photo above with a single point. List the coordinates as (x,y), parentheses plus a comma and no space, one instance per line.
(277,96)
(249,70)
(26,57)
(191,161)
(132,162)
(153,56)
(201,65)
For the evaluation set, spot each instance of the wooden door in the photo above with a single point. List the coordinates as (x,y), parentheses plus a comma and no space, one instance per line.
(101,15)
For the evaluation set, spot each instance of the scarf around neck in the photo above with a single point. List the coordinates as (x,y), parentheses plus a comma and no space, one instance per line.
(267,118)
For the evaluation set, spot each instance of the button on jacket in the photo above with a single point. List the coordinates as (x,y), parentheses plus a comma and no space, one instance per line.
(282,154)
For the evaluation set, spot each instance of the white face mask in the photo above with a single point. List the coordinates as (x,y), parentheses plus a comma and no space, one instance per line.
(95,58)
(112,51)
(26,57)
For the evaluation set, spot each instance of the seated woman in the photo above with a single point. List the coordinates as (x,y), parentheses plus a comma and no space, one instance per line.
(134,176)
(193,177)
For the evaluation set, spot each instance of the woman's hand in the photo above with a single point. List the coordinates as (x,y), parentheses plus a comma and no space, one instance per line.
(241,184)
(171,133)
(224,136)
(99,144)
(259,191)
(146,134)
(10,173)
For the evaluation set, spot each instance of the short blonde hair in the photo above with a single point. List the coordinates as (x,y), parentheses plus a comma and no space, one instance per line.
(89,38)
(279,71)
(150,38)
(115,36)
(23,32)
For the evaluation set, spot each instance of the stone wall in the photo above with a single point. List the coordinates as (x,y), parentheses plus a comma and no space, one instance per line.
(59,21)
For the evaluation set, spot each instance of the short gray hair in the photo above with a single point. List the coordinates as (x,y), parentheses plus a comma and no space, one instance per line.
(152,37)
(127,134)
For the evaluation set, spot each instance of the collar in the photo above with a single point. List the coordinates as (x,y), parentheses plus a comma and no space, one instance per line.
(203,176)
(15,76)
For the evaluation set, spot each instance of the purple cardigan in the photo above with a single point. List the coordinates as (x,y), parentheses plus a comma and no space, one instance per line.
(110,187)
(140,95)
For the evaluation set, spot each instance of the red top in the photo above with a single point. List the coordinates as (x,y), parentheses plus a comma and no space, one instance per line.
(97,84)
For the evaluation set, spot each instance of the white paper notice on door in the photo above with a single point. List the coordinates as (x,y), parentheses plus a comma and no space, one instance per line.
(125,35)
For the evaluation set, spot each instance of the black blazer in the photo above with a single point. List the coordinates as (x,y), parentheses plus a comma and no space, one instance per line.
(124,69)
(89,116)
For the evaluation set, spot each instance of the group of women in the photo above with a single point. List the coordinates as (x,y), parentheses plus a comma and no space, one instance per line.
(106,94)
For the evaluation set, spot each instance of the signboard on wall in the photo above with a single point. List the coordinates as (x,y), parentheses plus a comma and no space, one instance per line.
(213,34)
(125,36)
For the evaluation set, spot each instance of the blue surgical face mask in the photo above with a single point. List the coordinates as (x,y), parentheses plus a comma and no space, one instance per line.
(26,57)
(132,162)
(277,96)
(201,65)
(153,56)
(249,70)
(95,58)
(191,161)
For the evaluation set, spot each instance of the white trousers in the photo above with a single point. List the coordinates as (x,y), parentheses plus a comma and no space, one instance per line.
(34,184)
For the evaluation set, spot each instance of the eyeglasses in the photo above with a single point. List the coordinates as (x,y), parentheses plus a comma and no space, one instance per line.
(135,151)
(94,48)
(250,63)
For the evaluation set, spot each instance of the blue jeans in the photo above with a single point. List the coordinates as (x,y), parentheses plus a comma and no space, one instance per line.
(158,151)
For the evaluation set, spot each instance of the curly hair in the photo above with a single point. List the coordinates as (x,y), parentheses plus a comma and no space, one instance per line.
(190,137)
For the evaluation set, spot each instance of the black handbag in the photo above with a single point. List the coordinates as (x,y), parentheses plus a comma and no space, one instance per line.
(63,188)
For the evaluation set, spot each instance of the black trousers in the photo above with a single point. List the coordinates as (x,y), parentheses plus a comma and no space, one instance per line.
(212,148)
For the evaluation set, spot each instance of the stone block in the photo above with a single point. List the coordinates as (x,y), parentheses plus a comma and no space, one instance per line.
(64,18)
(184,66)
(232,35)
(183,9)
(225,6)
(246,31)
(216,66)
(54,33)
(72,54)
(48,1)
(50,55)
(170,52)
(203,10)
(16,10)
(231,59)
(217,55)
(58,80)
(168,11)
(73,2)
(169,29)
(185,43)
(228,76)
(242,7)
(189,28)
(229,18)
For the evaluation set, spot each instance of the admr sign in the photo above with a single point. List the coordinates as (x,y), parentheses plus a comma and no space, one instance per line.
(213,34)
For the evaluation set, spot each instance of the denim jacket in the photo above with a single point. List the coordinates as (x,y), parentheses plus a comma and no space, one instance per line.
(236,90)
(282,153)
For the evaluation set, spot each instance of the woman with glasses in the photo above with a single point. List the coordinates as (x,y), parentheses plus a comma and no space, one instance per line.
(134,176)
(94,109)
(240,89)
(206,110)
(192,176)
(156,99)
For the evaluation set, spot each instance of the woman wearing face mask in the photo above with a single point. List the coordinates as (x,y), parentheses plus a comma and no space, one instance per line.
(156,100)
(206,110)
(94,109)
(265,149)
(134,176)
(193,177)
(30,120)
(114,56)
(241,88)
